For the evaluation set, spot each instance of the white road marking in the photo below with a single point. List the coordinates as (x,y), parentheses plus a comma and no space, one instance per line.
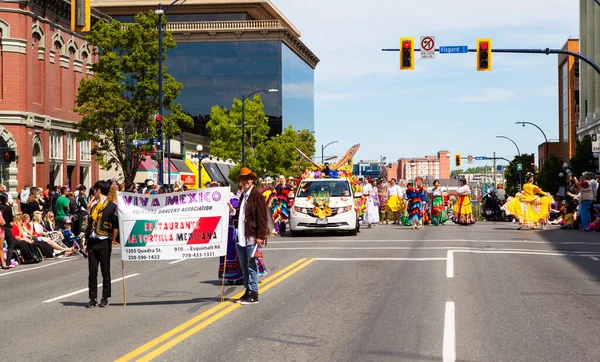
(449,346)
(177,261)
(450,264)
(354,241)
(22,269)
(466,248)
(594,258)
(86,289)
(378,259)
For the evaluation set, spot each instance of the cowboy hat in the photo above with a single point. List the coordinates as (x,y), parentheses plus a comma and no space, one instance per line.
(245,171)
(178,185)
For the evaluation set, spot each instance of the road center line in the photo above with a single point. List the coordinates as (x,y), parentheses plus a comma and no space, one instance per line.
(86,289)
(19,270)
(450,264)
(379,259)
(177,261)
(449,347)
(594,258)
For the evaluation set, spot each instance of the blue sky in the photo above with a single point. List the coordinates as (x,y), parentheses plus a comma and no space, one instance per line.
(361,96)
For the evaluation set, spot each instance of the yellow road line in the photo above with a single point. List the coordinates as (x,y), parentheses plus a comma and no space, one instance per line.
(145,347)
(183,336)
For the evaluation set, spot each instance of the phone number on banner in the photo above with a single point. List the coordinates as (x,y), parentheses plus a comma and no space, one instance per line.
(172,252)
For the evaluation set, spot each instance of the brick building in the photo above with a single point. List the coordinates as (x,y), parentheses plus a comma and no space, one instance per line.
(432,167)
(41,65)
(568,102)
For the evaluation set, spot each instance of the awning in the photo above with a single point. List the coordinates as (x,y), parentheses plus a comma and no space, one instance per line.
(191,180)
(224,168)
(181,167)
(215,173)
(148,169)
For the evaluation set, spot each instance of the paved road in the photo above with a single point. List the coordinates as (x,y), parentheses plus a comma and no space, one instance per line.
(486,292)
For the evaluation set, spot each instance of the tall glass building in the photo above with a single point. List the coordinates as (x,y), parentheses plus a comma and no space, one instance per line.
(229,50)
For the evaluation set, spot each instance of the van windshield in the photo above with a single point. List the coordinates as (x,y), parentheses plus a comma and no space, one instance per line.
(333,188)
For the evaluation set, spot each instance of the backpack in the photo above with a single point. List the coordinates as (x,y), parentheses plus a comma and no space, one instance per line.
(73,206)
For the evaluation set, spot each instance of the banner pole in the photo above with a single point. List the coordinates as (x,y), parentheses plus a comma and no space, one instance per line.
(224,271)
(124,286)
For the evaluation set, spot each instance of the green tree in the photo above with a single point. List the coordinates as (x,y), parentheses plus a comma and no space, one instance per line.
(548,178)
(274,156)
(583,159)
(511,174)
(118,103)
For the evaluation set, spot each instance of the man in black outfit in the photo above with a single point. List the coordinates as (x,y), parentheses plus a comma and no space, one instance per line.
(101,232)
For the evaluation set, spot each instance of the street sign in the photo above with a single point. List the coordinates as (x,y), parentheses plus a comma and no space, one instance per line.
(428,47)
(519,166)
(144,142)
(595,143)
(456,49)
(470,158)
(479,158)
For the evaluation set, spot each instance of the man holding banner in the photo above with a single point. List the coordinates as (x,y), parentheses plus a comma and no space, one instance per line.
(101,232)
(252,231)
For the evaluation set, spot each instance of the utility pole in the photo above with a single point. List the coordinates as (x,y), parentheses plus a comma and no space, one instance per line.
(494,170)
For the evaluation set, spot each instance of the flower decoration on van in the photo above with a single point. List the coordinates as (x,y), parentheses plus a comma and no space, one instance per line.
(321,208)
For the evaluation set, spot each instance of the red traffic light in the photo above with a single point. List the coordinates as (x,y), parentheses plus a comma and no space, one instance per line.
(406,44)
(158,118)
(483,45)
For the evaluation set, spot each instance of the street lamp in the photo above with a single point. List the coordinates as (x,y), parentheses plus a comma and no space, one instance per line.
(519,153)
(545,138)
(199,156)
(566,173)
(244,119)
(160,12)
(323,151)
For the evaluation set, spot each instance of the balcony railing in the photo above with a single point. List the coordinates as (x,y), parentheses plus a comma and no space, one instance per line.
(223,25)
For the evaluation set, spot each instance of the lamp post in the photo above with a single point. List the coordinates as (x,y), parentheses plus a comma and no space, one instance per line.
(244,118)
(160,12)
(519,153)
(200,157)
(323,151)
(545,138)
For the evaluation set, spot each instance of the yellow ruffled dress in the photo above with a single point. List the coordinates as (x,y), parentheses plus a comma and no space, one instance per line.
(528,207)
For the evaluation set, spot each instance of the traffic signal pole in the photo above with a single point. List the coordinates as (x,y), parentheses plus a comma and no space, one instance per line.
(546,51)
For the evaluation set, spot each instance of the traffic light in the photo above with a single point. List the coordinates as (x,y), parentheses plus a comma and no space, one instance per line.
(457,160)
(81,16)
(159,119)
(484,54)
(8,156)
(407,53)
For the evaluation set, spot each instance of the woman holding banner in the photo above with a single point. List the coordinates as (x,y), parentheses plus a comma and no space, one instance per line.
(233,271)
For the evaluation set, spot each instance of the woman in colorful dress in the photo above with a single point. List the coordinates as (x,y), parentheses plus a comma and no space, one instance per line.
(233,272)
(372,212)
(463,212)
(438,209)
(280,207)
(528,206)
(382,194)
(416,197)
(394,201)
(269,194)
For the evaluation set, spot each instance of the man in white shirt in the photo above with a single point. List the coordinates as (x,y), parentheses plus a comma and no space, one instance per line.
(252,231)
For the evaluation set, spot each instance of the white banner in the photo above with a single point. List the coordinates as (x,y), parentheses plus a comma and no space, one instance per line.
(181,225)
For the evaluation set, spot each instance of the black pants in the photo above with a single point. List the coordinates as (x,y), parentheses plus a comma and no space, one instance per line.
(27,250)
(9,242)
(99,252)
(77,221)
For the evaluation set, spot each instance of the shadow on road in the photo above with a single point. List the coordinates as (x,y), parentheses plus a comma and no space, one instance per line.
(156,302)
(577,241)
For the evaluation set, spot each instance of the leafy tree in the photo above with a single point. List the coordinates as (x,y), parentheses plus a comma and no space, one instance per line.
(511,174)
(583,159)
(548,178)
(274,156)
(118,103)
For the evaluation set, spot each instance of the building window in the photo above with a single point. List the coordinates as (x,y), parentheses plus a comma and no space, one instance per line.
(56,145)
(71,147)
(85,152)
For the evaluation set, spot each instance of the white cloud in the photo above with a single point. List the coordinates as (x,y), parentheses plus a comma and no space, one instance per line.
(489,95)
